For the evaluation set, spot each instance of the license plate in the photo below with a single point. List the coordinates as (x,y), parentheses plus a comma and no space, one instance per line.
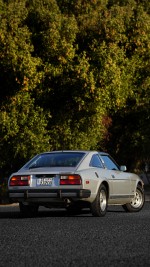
(44,181)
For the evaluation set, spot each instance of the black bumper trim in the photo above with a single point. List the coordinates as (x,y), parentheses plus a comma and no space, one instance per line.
(49,193)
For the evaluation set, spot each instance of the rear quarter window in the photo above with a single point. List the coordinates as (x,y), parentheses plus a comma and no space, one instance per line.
(96,162)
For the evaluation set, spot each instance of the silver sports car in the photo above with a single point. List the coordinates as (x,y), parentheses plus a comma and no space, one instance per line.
(75,180)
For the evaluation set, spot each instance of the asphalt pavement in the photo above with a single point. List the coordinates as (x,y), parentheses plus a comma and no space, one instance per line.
(55,239)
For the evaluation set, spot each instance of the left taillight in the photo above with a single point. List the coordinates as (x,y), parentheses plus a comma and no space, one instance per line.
(19,180)
(70,179)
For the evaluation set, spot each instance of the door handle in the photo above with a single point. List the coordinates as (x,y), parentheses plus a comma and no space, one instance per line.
(113,176)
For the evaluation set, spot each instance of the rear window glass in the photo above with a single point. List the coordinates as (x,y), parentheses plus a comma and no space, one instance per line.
(56,160)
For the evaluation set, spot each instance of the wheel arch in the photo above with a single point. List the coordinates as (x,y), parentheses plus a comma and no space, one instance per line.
(141,184)
(107,187)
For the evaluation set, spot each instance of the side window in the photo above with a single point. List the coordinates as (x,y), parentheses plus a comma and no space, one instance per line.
(109,163)
(96,162)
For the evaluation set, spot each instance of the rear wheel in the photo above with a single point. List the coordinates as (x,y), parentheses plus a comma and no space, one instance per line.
(137,202)
(99,205)
(30,210)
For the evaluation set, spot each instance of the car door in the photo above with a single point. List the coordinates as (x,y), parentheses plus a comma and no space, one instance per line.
(121,182)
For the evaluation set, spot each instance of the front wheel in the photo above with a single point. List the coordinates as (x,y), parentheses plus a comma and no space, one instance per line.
(99,205)
(137,202)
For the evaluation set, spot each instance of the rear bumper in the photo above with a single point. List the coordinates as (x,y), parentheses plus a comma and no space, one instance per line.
(47,194)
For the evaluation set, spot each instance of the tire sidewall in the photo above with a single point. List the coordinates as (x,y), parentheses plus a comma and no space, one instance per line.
(96,206)
(130,208)
(141,192)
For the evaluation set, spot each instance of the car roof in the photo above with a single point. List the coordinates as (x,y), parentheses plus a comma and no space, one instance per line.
(76,151)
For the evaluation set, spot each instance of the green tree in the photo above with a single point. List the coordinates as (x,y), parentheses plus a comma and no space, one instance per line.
(134,119)
(68,87)
(74,74)
(23,131)
(16,61)
(22,123)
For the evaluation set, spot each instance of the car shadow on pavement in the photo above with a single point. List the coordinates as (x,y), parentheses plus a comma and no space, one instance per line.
(42,214)
(9,213)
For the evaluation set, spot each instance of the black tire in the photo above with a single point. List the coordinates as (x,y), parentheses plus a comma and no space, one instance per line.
(99,205)
(30,210)
(137,202)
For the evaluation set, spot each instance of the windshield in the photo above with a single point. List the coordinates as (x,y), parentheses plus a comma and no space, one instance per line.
(59,159)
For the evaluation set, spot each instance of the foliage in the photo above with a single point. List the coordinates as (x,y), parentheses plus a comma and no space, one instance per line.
(23,131)
(74,75)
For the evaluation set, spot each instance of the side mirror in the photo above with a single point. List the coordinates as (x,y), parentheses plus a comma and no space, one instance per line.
(123,168)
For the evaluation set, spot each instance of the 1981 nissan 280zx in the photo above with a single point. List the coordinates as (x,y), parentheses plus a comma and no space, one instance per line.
(75,180)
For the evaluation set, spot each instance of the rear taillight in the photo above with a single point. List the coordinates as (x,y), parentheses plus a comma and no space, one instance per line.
(19,180)
(74,179)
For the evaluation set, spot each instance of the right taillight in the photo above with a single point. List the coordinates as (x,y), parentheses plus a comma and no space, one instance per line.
(19,180)
(74,179)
